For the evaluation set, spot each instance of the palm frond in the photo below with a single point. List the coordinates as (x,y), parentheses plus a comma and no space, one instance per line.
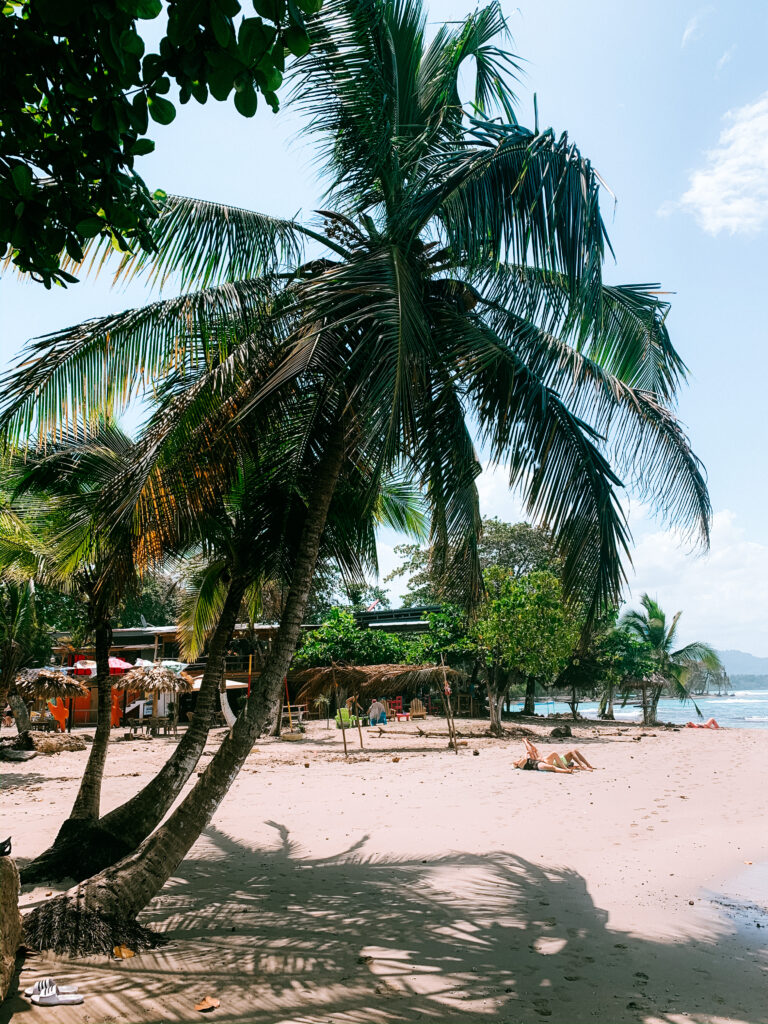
(205,593)
(625,334)
(510,194)
(647,444)
(201,244)
(552,457)
(697,652)
(71,379)
(400,506)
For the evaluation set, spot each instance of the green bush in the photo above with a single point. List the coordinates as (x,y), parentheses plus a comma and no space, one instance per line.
(340,639)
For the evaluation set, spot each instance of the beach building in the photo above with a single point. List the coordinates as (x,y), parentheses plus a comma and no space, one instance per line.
(249,648)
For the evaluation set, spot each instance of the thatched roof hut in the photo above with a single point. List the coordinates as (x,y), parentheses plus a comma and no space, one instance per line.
(369,681)
(48,684)
(157,679)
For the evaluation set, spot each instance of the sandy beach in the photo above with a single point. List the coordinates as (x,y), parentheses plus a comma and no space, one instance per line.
(408,883)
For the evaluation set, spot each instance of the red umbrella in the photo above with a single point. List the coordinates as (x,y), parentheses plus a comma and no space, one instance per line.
(117,666)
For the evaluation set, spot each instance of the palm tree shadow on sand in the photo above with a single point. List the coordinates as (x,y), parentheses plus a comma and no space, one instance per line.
(281,937)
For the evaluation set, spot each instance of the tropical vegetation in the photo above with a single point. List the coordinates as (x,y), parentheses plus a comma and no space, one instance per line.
(666,668)
(451,291)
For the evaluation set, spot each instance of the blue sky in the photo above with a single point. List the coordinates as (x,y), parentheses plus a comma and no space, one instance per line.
(670,102)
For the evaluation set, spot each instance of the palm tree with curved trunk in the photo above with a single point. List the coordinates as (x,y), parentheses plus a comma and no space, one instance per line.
(671,666)
(20,636)
(453,292)
(59,487)
(240,546)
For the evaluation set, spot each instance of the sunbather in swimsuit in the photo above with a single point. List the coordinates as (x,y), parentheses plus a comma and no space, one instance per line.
(541,764)
(571,760)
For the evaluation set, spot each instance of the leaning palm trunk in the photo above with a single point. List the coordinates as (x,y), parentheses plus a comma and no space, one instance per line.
(80,852)
(101,912)
(88,800)
(69,854)
(20,714)
(646,703)
(656,693)
(605,711)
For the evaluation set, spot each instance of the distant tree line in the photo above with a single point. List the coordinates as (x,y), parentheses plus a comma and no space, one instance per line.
(524,636)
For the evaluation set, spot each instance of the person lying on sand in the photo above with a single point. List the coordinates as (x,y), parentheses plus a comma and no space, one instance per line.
(530,764)
(570,761)
(711,724)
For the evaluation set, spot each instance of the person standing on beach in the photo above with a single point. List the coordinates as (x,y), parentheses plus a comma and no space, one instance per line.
(377,713)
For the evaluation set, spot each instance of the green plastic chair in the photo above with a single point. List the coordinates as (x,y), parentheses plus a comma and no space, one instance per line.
(349,720)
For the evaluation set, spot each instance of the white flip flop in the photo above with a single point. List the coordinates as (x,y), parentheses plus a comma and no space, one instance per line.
(51,995)
(34,990)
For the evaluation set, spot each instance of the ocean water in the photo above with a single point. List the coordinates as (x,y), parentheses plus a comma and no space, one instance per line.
(747,709)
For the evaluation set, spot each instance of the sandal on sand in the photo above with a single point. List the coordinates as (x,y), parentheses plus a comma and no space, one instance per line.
(52,995)
(34,990)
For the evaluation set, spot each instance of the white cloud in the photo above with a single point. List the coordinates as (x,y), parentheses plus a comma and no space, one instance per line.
(723,594)
(496,499)
(726,58)
(730,193)
(693,27)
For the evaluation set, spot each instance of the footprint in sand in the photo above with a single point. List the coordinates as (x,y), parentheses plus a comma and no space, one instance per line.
(542,1007)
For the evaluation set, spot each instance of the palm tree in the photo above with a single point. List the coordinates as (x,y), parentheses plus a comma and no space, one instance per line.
(239,548)
(22,640)
(669,668)
(59,488)
(455,283)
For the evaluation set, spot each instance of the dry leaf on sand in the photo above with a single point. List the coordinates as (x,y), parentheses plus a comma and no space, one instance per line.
(207,1004)
(122,952)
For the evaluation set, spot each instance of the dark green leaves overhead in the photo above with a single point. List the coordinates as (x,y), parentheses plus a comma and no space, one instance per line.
(160,110)
(79,93)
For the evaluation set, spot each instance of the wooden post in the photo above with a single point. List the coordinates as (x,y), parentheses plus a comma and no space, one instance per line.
(250,670)
(154,692)
(357,716)
(448,710)
(288,705)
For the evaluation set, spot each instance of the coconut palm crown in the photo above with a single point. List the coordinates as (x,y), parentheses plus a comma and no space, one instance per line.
(651,628)
(450,293)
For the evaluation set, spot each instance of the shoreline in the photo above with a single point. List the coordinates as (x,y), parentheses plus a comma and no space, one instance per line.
(408,883)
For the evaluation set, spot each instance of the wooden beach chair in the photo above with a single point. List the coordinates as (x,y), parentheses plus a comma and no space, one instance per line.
(417,709)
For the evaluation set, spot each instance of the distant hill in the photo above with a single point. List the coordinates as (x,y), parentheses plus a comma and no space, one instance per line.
(740,664)
(748,682)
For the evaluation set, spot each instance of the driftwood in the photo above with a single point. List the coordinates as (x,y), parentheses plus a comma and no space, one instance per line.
(10,754)
(54,743)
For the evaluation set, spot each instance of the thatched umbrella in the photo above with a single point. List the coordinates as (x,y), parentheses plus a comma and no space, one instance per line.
(48,684)
(374,680)
(157,679)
